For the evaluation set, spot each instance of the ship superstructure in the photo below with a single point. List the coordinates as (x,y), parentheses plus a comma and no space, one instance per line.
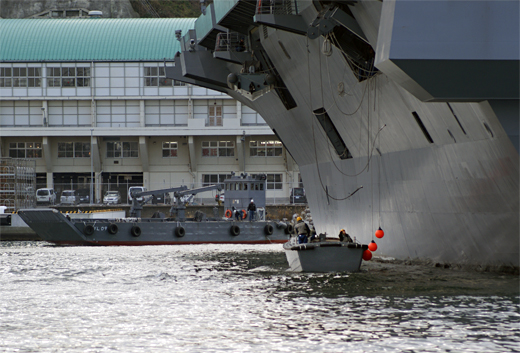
(401,115)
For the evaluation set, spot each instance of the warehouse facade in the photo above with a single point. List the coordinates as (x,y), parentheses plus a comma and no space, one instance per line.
(89,100)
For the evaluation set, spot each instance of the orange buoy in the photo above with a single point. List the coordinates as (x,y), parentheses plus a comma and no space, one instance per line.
(244,214)
(228,214)
(379,233)
(372,246)
(367,255)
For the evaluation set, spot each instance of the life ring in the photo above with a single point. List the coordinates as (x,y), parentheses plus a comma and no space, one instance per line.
(268,229)
(180,232)
(235,230)
(136,231)
(88,230)
(244,214)
(112,228)
(228,214)
(289,229)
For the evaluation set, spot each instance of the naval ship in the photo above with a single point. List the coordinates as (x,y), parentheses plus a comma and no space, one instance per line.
(400,114)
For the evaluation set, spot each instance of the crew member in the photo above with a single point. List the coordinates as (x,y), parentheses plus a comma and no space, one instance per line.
(237,214)
(343,236)
(302,229)
(217,198)
(251,209)
(241,45)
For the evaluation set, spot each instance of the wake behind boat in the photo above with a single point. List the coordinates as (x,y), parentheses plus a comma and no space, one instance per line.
(54,227)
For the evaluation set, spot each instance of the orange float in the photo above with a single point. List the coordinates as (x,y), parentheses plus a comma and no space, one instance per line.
(379,233)
(367,255)
(372,246)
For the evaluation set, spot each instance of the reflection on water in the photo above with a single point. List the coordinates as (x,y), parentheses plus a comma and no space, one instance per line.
(240,298)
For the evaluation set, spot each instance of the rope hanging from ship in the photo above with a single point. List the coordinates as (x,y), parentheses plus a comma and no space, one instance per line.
(314,136)
(371,79)
(370,149)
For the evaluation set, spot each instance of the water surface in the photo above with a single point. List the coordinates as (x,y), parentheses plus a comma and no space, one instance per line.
(240,298)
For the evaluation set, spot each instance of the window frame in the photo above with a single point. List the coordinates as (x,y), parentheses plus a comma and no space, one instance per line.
(265,148)
(16,75)
(30,149)
(68,77)
(155,76)
(218,177)
(215,117)
(73,149)
(170,151)
(218,149)
(122,149)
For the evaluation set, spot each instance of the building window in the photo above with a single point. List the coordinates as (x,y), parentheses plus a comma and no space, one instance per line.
(73,149)
(215,115)
(68,77)
(213,179)
(169,149)
(156,76)
(20,77)
(274,181)
(25,150)
(120,149)
(218,149)
(265,148)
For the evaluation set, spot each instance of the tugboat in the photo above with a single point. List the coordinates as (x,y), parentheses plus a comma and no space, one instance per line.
(57,228)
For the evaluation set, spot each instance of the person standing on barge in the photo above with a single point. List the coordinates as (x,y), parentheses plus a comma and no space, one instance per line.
(251,209)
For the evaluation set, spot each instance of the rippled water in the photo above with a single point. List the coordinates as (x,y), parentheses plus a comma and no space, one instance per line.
(240,298)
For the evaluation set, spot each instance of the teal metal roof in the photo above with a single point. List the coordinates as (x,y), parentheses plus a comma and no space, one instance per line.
(127,39)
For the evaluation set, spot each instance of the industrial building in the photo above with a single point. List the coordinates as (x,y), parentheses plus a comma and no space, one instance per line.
(89,100)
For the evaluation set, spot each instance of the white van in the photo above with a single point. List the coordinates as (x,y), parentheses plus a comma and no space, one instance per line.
(135,189)
(45,196)
(68,197)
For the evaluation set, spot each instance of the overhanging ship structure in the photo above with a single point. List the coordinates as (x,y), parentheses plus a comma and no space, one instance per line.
(400,114)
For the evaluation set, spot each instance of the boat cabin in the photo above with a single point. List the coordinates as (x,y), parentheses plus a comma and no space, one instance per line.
(240,190)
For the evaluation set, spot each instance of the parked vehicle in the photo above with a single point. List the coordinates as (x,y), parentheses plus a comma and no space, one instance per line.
(84,195)
(135,189)
(298,195)
(112,197)
(45,196)
(68,197)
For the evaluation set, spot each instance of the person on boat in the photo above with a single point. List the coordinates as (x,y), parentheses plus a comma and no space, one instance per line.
(237,213)
(241,45)
(343,236)
(302,229)
(251,209)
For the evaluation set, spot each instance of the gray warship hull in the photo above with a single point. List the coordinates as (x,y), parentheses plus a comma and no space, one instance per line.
(56,228)
(426,147)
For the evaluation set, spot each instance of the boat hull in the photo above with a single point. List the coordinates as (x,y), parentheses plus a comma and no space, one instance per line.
(324,257)
(54,227)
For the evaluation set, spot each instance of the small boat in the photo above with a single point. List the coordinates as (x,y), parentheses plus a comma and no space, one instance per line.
(55,227)
(325,255)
